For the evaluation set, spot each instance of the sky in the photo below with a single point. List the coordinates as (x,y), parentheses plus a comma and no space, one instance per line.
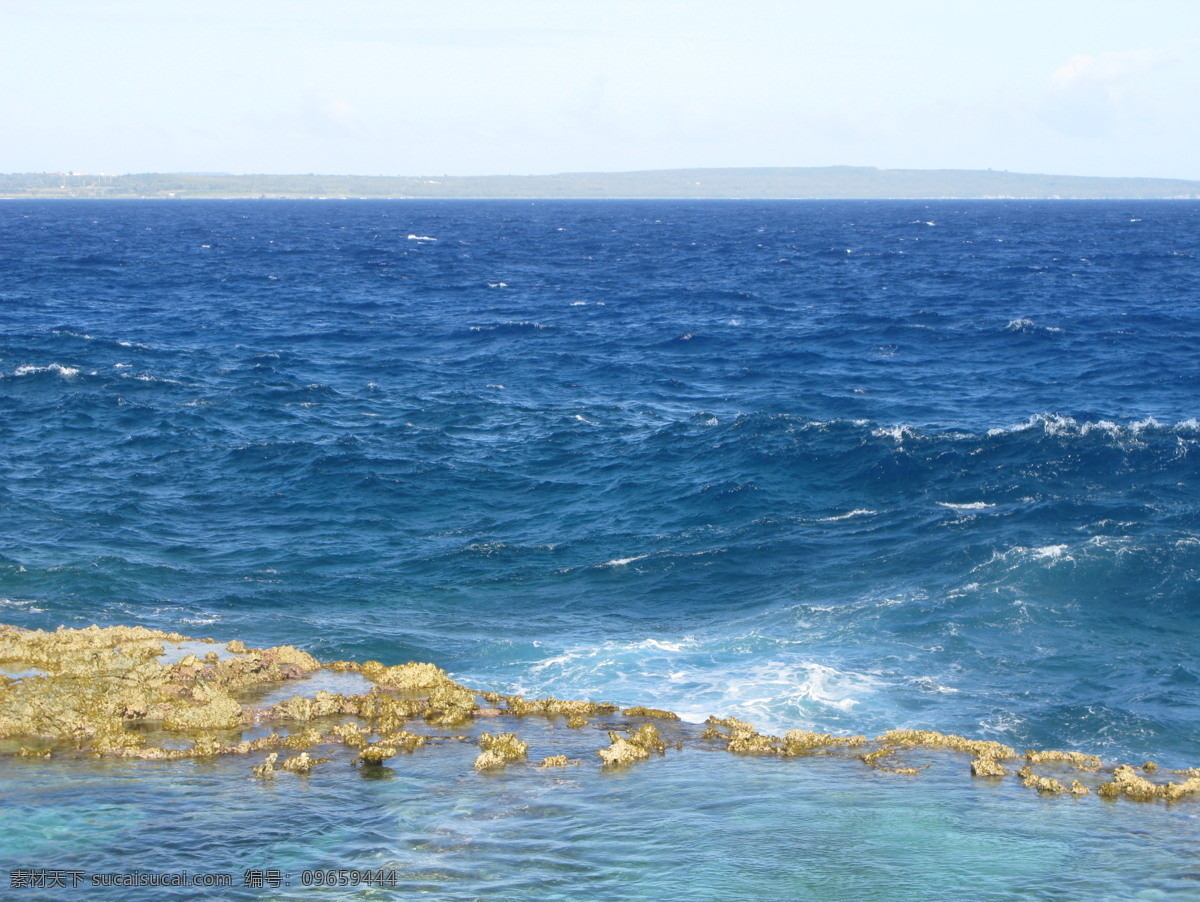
(484,87)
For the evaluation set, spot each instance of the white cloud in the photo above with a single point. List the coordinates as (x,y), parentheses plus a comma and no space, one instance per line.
(335,110)
(1107,67)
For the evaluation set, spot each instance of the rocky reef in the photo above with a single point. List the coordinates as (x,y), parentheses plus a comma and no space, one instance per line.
(140,694)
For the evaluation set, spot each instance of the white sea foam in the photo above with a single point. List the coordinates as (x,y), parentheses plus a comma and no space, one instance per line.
(1058,425)
(1106,426)
(66,372)
(1050,553)
(526,323)
(581,418)
(622,561)
(1018,556)
(146,377)
(898,433)
(1148,423)
(929,684)
(776,691)
(421,238)
(861,512)
(968,506)
(23,604)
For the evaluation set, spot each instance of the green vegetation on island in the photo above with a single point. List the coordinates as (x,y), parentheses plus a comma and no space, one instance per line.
(817,183)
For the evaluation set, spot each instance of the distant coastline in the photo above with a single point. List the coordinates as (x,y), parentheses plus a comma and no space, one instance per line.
(815,183)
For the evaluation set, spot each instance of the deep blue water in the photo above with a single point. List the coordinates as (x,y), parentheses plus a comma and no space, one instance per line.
(848,466)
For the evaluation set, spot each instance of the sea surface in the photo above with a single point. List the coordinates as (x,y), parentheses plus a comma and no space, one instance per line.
(843,466)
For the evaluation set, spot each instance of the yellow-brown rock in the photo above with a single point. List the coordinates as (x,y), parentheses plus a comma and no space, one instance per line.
(375,754)
(621,751)
(656,713)
(987,767)
(1078,759)
(499,751)
(103,691)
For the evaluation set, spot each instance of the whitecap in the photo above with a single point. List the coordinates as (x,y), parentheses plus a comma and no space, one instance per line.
(146,377)
(66,372)
(24,604)
(860,512)
(968,506)
(622,561)
(1050,553)
(1105,426)
(929,684)
(1057,425)
(899,433)
(421,238)
(1148,423)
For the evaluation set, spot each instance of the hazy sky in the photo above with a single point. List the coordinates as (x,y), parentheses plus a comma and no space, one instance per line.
(472,87)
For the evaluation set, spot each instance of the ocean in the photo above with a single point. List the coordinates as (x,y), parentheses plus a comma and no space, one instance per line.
(836,466)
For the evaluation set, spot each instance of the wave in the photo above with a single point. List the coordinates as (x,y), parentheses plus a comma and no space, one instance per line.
(512,327)
(66,372)
(751,676)
(1050,424)
(860,512)
(623,561)
(1028,325)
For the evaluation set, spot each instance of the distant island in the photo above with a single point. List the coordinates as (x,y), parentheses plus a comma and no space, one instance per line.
(818,183)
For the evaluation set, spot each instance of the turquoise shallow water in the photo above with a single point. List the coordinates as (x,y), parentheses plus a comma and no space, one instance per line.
(840,466)
(691,826)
